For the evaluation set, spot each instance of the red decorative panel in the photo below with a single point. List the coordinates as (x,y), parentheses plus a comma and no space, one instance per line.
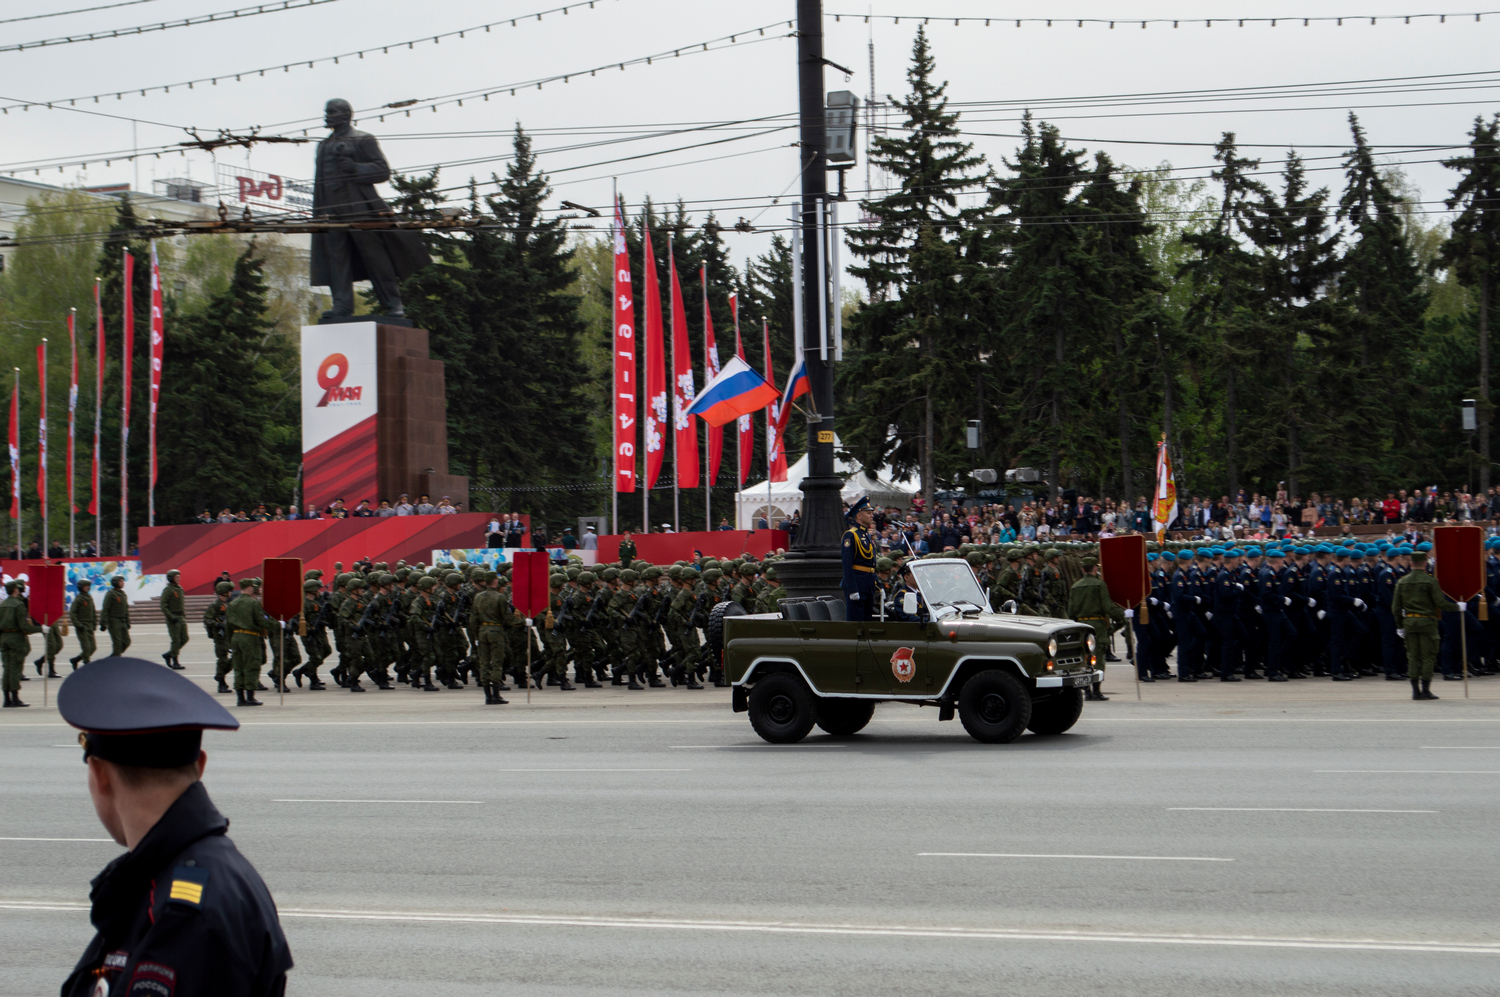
(342,467)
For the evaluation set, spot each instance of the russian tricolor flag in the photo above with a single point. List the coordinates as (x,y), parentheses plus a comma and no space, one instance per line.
(796,386)
(737,390)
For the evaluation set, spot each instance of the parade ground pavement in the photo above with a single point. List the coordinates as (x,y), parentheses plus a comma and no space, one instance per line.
(1301,838)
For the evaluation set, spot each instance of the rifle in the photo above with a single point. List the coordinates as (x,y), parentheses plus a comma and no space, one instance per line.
(597,605)
(697,612)
(461,618)
(320,621)
(565,616)
(636,610)
(661,611)
(365,617)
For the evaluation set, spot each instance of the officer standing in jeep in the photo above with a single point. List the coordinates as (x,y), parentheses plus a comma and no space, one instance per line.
(858,551)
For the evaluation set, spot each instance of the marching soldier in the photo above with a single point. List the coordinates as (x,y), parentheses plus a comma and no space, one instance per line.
(15,624)
(556,653)
(773,593)
(213,624)
(115,620)
(420,612)
(52,645)
(1417,605)
(174,611)
(84,616)
(246,622)
(356,661)
(488,609)
(1089,602)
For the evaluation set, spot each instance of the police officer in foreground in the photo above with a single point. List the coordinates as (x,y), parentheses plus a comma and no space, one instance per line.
(857,549)
(182,911)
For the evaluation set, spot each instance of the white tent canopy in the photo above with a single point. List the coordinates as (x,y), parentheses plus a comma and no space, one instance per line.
(782,498)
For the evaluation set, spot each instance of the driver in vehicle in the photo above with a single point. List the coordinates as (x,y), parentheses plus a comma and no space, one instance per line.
(908,584)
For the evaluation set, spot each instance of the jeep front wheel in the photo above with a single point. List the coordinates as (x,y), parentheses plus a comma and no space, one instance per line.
(843,717)
(1056,714)
(782,709)
(994,707)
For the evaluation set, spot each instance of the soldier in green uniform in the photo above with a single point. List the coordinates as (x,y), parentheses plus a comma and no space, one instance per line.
(1007,585)
(1089,602)
(1056,593)
(744,590)
(52,645)
(213,624)
(174,611)
(15,624)
(315,639)
(1418,603)
(419,614)
(84,616)
(354,663)
(115,620)
(626,554)
(335,604)
(624,638)
(488,609)
(245,620)
(679,627)
(771,596)
(552,636)
(590,654)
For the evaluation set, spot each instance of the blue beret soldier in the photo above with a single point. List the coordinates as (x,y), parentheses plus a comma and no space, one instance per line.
(182,911)
(857,549)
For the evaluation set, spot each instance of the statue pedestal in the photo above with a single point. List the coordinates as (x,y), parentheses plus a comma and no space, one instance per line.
(374,416)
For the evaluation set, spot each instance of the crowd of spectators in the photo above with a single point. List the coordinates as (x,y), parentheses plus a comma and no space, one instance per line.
(335,510)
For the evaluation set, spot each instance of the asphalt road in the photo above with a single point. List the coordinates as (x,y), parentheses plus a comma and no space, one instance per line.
(1307,838)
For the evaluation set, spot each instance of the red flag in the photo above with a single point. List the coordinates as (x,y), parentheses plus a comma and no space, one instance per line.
(41,426)
(685,449)
(98,401)
(656,372)
(747,432)
(711,371)
(625,394)
(776,453)
(158,343)
(128,331)
(72,406)
(15,452)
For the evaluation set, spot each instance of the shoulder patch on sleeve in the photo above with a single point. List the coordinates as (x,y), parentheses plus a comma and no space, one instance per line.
(188,883)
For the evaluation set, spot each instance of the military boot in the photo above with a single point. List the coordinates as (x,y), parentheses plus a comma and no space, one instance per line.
(693,683)
(427,685)
(1427,692)
(1416,689)
(564,685)
(74,661)
(676,676)
(223,686)
(38,663)
(633,684)
(13,699)
(250,699)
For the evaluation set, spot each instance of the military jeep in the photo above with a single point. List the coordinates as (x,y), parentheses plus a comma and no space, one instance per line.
(809,665)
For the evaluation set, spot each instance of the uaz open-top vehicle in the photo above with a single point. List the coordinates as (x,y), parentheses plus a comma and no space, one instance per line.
(809,665)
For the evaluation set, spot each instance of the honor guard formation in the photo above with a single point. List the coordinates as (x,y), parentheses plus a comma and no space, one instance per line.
(1274,611)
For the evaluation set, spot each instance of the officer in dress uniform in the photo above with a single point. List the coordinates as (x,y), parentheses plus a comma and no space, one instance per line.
(858,550)
(181,911)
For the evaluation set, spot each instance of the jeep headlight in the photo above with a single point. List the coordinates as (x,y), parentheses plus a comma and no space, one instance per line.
(1052,648)
(1092,642)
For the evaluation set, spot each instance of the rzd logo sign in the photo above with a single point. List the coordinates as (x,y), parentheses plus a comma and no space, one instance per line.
(331,374)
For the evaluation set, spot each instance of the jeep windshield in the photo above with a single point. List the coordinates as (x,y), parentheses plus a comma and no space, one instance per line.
(949,583)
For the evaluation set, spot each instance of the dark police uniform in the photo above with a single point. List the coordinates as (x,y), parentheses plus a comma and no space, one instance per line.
(858,551)
(182,912)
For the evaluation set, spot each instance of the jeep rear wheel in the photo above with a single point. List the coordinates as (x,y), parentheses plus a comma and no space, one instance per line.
(1056,713)
(843,717)
(782,709)
(994,707)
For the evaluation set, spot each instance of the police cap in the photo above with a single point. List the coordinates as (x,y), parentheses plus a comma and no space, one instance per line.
(133,712)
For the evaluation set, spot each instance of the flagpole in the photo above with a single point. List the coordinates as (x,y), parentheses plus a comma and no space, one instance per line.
(98,416)
(648,260)
(72,434)
(127,323)
(672,388)
(739,437)
(765,329)
(708,486)
(41,424)
(15,477)
(614,326)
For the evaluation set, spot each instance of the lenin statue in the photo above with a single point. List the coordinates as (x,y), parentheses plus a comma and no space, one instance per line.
(350,164)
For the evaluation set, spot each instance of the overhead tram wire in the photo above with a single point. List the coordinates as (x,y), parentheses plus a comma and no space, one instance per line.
(1209,22)
(184,22)
(286,67)
(81,10)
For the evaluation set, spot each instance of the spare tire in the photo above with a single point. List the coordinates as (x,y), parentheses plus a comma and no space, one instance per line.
(715,629)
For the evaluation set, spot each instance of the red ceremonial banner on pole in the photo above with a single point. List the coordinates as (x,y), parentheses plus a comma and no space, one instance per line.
(710,371)
(41,427)
(1122,563)
(528,581)
(98,405)
(747,429)
(685,446)
(1458,561)
(625,393)
(158,346)
(656,372)
(128,333)
(15,454)
(72,410)
(775,454)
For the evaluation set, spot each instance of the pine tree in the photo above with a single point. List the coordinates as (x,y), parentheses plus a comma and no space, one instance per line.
(1472,250)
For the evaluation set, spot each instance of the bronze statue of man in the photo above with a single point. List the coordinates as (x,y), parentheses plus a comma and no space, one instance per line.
(350,164)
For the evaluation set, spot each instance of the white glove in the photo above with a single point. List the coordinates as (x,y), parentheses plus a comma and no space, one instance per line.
(1197,601)
(1312,604)
(1260,611)
(1359,604)
(1322,615)
(1153,600)
(1286,600)
(1209,615)
(853,596)
(1169,613)
(1400,633)
(1240,586)
(1130,614)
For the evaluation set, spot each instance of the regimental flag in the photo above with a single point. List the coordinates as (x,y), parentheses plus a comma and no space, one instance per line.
(685,446)
(158,346)
(737,390)
(41,427)
(15,452)
(747,432)
(711,371)
(72,406)
(775,452)
(656,371)
(625,369)
(1164,508)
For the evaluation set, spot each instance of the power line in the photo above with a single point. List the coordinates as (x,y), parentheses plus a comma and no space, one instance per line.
(287,66)
(225,15)
(81,10)
(1338,21)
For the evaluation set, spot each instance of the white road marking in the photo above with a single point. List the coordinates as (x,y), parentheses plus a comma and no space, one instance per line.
(1408,771)
(753,747)
(424,802)
(1461,747)
(1021,855)
(1303,810)
(110,840)
(875,930)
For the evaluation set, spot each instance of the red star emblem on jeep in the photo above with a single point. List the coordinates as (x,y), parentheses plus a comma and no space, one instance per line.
(904,663)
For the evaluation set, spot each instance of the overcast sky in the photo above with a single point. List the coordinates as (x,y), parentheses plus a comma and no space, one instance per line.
(743,81)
